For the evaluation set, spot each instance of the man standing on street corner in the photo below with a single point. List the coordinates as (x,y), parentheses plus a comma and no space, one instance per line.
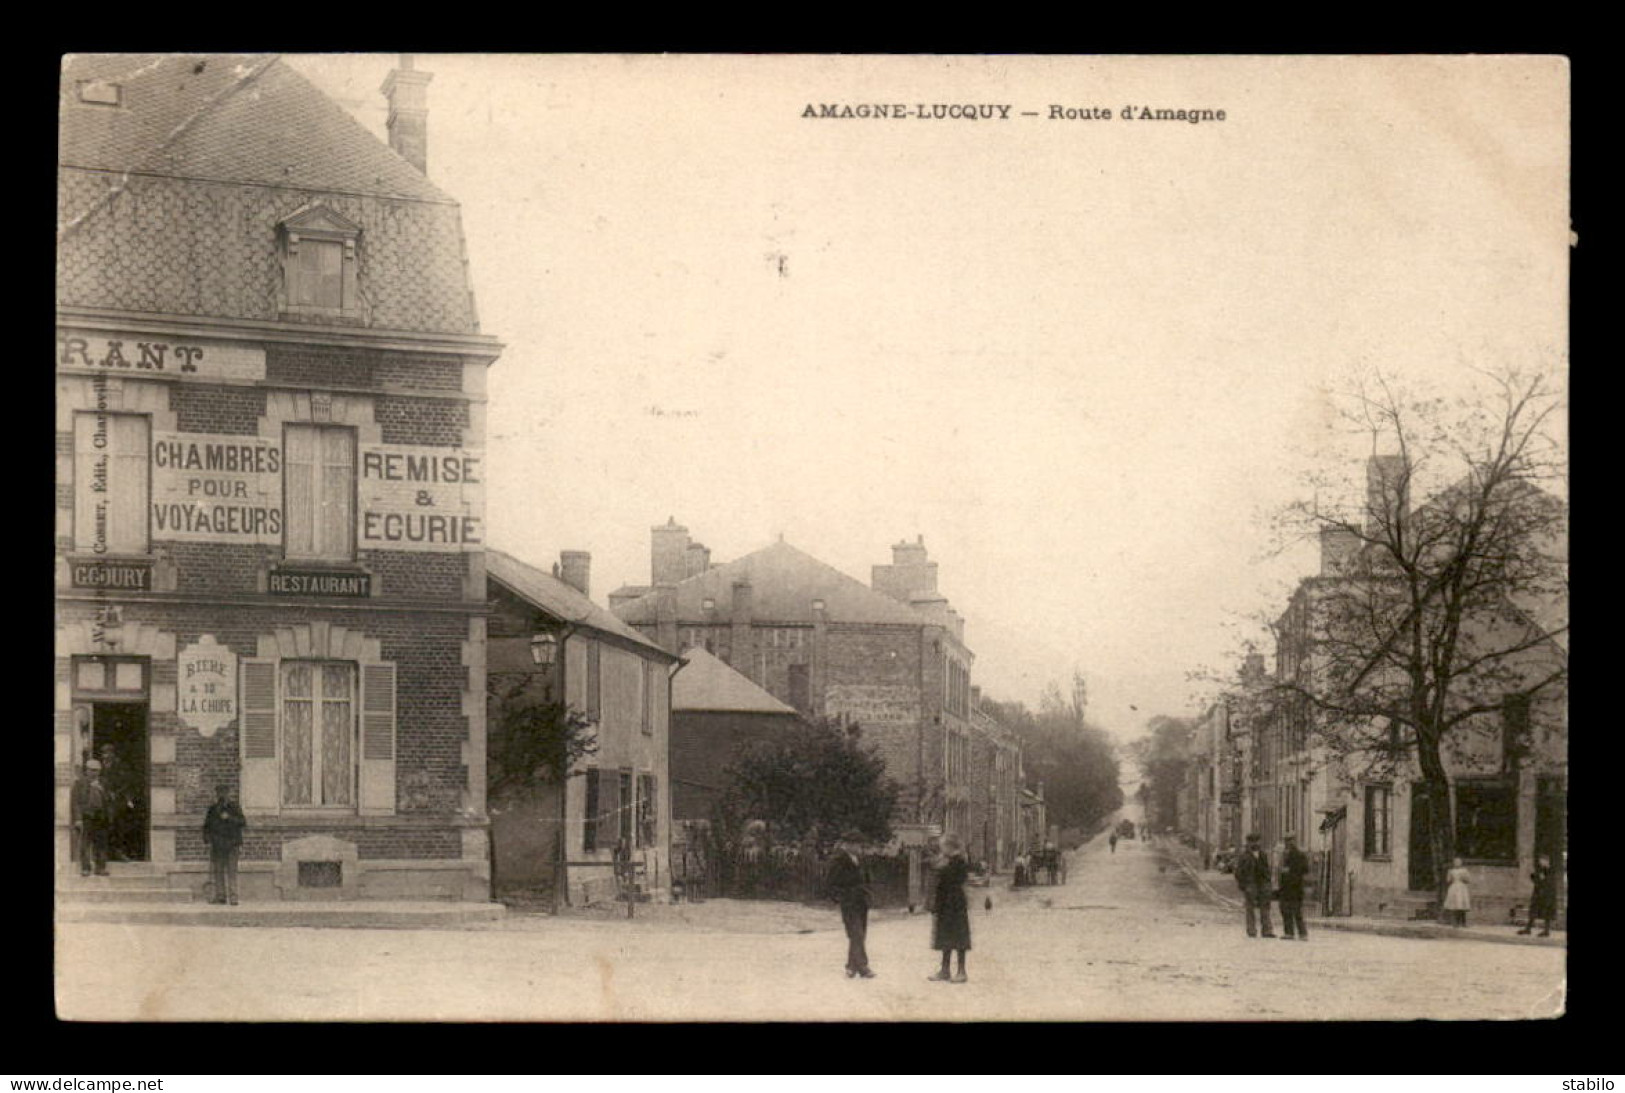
(848,885)
(223,831)
(1253,877)
(1294,867)
(90,805)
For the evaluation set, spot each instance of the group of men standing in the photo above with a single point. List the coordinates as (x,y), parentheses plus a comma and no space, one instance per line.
(1254,877)
(95,810)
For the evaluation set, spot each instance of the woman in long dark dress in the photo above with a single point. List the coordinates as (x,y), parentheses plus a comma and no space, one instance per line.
(950,921)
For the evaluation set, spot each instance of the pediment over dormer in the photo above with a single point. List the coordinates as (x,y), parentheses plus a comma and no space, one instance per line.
(318,218)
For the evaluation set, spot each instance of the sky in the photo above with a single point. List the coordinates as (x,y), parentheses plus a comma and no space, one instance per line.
(1083,359)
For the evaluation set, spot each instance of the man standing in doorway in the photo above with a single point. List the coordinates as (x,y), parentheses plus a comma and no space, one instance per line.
(223,831)
(848,885)
(90,818)
(1294,867)
(1253,877)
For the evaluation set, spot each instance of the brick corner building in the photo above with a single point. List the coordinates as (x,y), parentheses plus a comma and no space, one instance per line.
(270,454)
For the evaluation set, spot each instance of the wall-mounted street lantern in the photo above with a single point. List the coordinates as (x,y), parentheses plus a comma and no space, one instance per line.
(544,647)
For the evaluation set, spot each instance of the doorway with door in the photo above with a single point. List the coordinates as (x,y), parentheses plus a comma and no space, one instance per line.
(1423,877)
(112,714)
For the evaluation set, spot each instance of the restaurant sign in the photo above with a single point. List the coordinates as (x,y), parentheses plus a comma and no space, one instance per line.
(283,581)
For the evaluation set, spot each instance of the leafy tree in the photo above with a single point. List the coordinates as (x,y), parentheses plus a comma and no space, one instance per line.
(1436,624)
(1075,760)
(531,743)
(808,786)
(1163,756)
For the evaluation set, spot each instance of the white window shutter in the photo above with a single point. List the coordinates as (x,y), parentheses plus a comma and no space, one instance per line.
(377,739)
(257,735)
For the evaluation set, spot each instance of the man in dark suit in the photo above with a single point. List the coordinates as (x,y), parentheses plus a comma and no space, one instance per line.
(223,831)
(1294,868)
(1252,874)
(90,814)
(848,885)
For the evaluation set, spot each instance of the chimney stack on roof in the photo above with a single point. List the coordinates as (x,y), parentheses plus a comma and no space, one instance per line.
(408,93)
(911,578)
(1386,493)
(668,552)
(696,559)
(575,570)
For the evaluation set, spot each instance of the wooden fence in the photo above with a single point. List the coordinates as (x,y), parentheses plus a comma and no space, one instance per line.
(780,873)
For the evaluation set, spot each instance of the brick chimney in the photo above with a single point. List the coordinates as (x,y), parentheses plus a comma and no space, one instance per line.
(911,576)
(696,559)
(408,93)
(1386,492)
(668,551)
(575,570)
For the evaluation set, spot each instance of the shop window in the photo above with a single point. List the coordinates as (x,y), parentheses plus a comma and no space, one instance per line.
(319,492)
(112,482)
(1379,821)
(1487,821)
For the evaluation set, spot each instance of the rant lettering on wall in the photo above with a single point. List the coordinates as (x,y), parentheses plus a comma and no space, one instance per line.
(157,355)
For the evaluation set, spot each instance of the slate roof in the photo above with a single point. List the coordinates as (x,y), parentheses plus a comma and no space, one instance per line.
(784,582)
(233,118)
(563,601)
(706,683)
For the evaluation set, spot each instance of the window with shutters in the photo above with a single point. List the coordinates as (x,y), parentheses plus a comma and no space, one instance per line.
(589,821)
(1379,812)
(318,734)
(595,680)
(623,811)
(651,684)
(111,460)
(318,483)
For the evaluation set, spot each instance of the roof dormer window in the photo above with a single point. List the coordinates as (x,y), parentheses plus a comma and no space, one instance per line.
(320,265)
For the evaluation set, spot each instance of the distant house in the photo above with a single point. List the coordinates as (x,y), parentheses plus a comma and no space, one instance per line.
(890,657)
(715,712)
(545,635)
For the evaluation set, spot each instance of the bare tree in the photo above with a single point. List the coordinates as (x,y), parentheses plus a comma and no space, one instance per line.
(1438,622)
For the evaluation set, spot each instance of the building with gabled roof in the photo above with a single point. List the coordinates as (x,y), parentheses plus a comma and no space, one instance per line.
(270,462)
(715,712)
(606,831)
(888,657)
